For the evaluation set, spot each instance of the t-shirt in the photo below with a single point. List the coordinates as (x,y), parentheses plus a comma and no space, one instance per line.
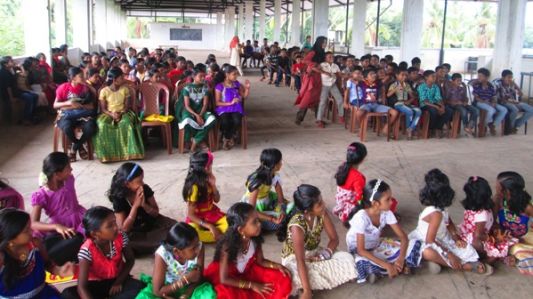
(284,62)
(228,94)
(79,93)
(85,254)
(455,94)
(332,69)
(402,94)
(174,75)
(298,67)
(487,93)
(143,221)
(355,93)
(362,224)
(116,100)
(196,93)
(428,94)
(175,270)
(248,50)
(370,91)
(7,80)
(273,59)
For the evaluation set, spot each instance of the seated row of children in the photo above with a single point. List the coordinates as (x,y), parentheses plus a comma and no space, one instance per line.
(104,242)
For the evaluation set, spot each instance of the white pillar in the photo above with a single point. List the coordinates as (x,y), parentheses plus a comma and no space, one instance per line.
(295,24)
(240,22)
(220,31)
(249,21)
(61,21)
(262,13)
(277,20)
(509,37)
(358,28)
(36,27)
(320,18)
(231,26)
(81,24)
(100,23)
(413,21)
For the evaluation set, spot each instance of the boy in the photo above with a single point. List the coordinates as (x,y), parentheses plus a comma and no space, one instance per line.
(456,99)
(297,70)
(404,101)
(485,99)
(509,95)
(430,100)
(330,72)
(283,68)
(272,62)
(353,93)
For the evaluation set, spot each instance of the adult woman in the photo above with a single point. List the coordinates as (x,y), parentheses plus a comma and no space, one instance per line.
(119,129)
(235,55)
(311,82)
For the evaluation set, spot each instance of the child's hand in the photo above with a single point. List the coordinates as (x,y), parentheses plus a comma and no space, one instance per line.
(262,289)
(306,294)
(139,197)
(346,106)
(211,180)
(279,219)
(64,231)
(215,232)
(247,84)
(400,264)
(392,271)
(455,262)
(115,289)
(194,275)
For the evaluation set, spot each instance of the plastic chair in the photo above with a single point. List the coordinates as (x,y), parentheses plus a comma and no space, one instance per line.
(59,135)
(150,93)
(377,117)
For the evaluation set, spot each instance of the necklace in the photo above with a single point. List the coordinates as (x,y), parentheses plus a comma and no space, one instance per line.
(247,247)
(102,249)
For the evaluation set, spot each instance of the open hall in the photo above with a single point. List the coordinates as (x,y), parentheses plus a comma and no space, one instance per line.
(176,111)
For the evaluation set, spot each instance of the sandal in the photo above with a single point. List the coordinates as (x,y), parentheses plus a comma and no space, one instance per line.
(482,268)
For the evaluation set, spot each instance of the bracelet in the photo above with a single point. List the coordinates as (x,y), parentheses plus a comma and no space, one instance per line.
(202,223)
(271,265)
(249,285)
(329,250)
(173,286)
(185,278)
(242,283)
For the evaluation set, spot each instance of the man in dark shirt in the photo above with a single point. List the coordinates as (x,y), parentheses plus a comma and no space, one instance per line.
(283,68)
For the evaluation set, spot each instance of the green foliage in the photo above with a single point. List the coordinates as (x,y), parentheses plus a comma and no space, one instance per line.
(11,28)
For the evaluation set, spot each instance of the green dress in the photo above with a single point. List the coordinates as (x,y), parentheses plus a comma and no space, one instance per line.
(186,120)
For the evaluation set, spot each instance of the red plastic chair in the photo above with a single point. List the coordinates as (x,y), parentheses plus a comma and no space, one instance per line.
(150,93)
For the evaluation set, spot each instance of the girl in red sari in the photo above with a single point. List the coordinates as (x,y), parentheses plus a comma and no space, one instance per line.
(239,270)
(309,95)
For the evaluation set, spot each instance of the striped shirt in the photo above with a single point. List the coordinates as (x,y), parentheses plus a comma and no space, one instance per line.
(487,93)
(85,254)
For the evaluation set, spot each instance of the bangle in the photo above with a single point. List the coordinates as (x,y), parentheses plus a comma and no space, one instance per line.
(249,285)
(242,283)
(202,223)
(173,286)
(329,250)
(271,265)
(185,278)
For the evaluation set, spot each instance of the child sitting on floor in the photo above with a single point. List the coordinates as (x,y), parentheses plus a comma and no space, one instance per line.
(178,267)
(201,194)
(441,244)
(9,197)
(350,182)
(136,210)
(271,205)
(375,255)
(239,269)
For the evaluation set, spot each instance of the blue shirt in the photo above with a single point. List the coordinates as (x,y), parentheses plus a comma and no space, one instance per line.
(355,93)
(429,94)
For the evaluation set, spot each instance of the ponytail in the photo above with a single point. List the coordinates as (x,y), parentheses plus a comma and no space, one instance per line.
(355,154)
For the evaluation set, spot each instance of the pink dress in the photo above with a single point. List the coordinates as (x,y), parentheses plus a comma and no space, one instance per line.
(61,206)
(468,227)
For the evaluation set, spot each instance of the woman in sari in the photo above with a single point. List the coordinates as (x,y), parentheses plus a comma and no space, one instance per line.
(235,54)
(119,129)
(309,95)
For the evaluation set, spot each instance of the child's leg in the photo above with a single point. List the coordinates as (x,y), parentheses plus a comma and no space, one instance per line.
(431,255)
(62,250)
(323,102)
(130,288)
(222,224)
(204,235)
(338,98)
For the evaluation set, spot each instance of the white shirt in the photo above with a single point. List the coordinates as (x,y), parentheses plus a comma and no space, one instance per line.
(331,69)
(362,224)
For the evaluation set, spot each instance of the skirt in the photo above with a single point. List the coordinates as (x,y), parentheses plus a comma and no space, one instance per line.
(323,275)
(467,254)
(523,252)
(120,141)
(201,291)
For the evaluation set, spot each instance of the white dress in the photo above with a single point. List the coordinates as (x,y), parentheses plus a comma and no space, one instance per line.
(235,59)
(467,254)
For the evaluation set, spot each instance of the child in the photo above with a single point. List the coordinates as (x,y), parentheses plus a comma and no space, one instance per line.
(510,96)
(404,102)
(22,259)
(430,100)
(229,97)
(136,210)
(485,99)
(239,269)
(478,221)
(441,244)
(191,110)
(313,267)
(270,205)
(373,99)
(297,71)
(63,234)
(284,68)
(350,182)
(272,62)
(178,267)
(201,194)
(9,197)
(353,94)
(375,255)
(457,100)
(330,72)
(106,259)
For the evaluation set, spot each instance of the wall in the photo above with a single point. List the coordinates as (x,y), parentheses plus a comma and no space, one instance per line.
(160,36)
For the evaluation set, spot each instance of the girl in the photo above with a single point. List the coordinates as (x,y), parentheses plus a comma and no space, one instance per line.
(191,110)
(136,210)
(313,267)
(63,234)
(22,259)
(350,182)
(9,197)
(201,194)
(270,205)
(239,270)
(441,244)
(309,95)
(229,97)
(375,255)
(178,267)
(105,260)
(119,129)
(478,221)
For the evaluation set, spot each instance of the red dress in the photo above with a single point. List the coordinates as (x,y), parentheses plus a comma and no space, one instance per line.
(102,267)
(349,194)
(282,285)
(309,95)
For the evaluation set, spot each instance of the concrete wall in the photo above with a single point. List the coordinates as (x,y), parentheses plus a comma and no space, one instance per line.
(160,36)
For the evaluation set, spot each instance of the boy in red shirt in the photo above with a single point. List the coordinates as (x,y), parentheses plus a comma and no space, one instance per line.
(297,71)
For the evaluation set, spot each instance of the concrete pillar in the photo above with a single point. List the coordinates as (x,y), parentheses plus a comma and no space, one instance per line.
(358,28)
(240,22)
(412,26)
(81,24)
(262,13)
(36,27)
(320,18)
(277,20)
(60,18)
(249,21)
(220,31)
(231,26)
(295,24)
(100,23)
(509,37)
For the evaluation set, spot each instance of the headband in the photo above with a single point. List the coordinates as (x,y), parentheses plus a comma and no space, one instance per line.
(375,190)
(474,178)
(132,172)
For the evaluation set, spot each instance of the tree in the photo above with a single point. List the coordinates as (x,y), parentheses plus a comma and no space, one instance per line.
(11,28)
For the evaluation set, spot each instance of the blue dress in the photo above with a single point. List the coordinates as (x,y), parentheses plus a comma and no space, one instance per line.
(31,282)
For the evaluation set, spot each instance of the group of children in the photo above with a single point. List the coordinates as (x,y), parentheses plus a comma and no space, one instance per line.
(100,244)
